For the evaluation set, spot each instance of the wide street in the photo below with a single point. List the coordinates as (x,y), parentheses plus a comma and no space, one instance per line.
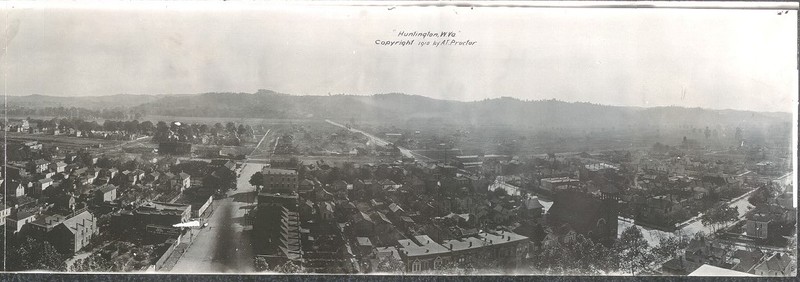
(224,245)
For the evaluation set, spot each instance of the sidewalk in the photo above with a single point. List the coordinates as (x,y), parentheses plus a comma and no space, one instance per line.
(174,257)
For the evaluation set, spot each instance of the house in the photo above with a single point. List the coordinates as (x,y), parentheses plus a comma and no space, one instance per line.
(5,211)
(74,233)
(770,222)
(152,177)
(112,172)
(326,211)
(16,189)
(508,188)
(364,246)
(531,208)
(746,260)
(39,165)
(59,166)
(705,251)
(43,184)
(186,180)
(757,225)
(305,186)
(341,185)
(362,224)
(550,184)
(710,270)
(660,210)
(106,193)
(228,164)
(17,220)
(776,265)
(387,184)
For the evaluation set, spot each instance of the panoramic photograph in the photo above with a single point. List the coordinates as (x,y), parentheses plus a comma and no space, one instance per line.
(410,138)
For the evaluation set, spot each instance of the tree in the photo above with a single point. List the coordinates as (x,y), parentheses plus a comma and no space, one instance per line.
(34,254)
(147,127)
(669,246)
(261,264)
(721,215)
(634,251)
(257,179)
(289,267)
(230,127)
(389,264)
(578,256)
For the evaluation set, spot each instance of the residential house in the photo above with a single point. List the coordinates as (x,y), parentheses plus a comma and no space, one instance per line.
(776,265)
(17,220)
(326,210)
(39,165)
(16,189)
(341,185)
(186,180)
(106,193)
(42,184)
(747,260)
(531,208)
(305,186)
(5,211)
(59,166)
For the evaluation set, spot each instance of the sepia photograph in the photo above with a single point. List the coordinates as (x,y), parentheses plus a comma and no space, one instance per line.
(525,138)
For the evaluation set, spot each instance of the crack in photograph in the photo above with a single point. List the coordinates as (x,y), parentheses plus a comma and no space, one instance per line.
(405,138)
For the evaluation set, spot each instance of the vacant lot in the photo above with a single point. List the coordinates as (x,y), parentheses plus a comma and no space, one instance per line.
(61,141)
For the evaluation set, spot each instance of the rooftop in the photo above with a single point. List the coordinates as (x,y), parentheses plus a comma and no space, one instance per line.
(278,171)
(426,246)
(710,270)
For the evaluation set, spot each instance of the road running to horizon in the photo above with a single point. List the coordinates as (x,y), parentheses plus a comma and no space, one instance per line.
(224,246)
(380,142)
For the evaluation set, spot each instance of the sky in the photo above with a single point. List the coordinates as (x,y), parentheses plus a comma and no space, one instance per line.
(722,59)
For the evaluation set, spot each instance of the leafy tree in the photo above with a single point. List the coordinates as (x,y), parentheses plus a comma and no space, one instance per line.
(261,264)
(257,179)
(230,127)
(34,254)
(146,127)
(578,256)
(389,264)
(669,246)
(634,251)
(719,216)
(289,267)
(218,127)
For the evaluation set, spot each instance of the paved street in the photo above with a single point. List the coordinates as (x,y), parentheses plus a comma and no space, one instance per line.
(224,246)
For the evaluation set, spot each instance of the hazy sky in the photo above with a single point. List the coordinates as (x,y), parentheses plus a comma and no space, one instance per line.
(739,59)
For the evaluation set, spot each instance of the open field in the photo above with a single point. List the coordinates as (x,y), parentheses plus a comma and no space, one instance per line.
(51,140)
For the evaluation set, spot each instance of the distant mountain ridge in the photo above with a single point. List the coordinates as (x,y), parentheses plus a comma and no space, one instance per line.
(89,102)
(397,107)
